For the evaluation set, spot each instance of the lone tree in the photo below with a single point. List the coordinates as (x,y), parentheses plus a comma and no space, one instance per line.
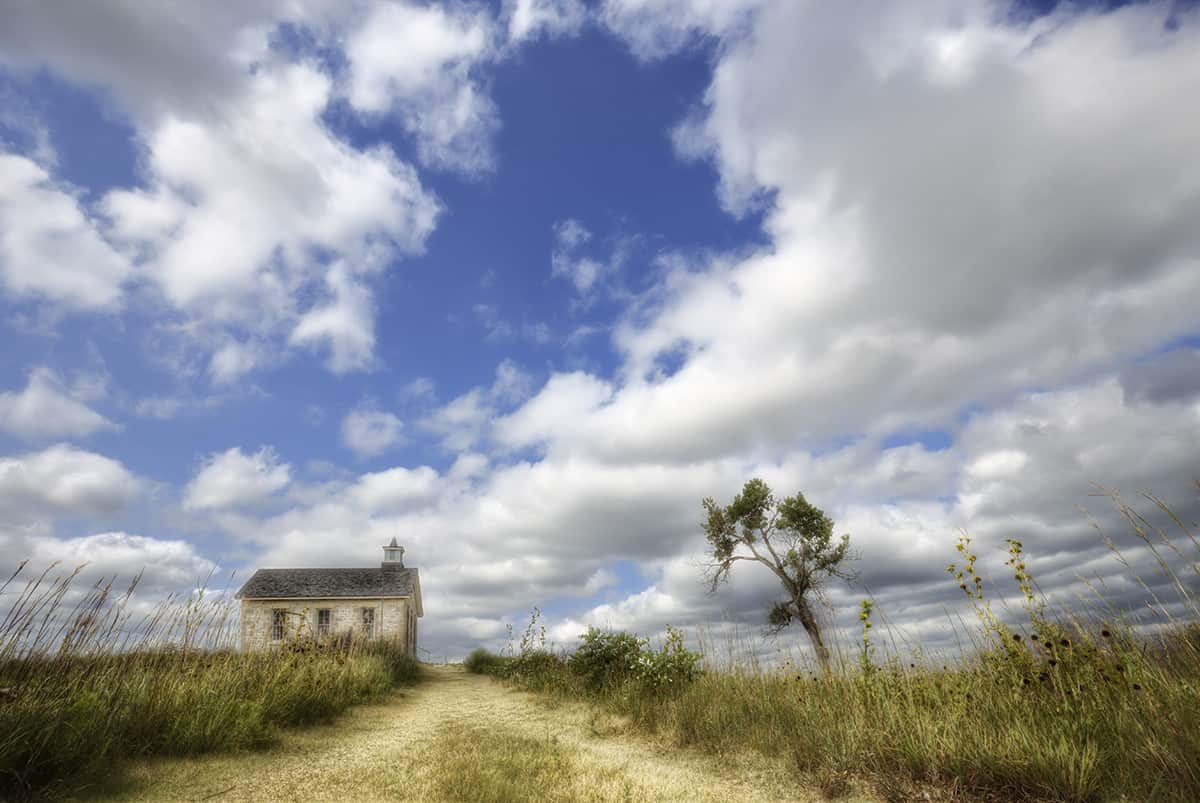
(792,538)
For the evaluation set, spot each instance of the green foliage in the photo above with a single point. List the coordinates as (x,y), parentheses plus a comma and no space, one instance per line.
(83,687)
(482,662)
(670,669)
(793,538)
(606,665)
(866,650)
(605,660)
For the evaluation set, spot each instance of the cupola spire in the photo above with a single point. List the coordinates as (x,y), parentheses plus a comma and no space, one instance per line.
(393,556)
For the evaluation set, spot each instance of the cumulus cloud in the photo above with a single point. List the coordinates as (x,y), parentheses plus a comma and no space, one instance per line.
(254,220)
(529,19)
(50,247)
(163,566)
(63,481)
(655,28)
(47,409)
(468,418)
(896,292)
(233,479)
(346,324)
(417,62)
(369,432)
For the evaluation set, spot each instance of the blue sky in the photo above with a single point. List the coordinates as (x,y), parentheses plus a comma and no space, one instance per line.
(520,283)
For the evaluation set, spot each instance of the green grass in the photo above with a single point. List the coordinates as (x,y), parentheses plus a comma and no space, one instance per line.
(1067,707)
(84,684)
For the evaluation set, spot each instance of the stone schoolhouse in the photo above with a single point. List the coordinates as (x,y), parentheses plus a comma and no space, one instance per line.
(283,604)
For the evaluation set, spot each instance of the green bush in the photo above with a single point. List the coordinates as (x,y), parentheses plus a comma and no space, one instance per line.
(669,670)
(606,660)
(483,662)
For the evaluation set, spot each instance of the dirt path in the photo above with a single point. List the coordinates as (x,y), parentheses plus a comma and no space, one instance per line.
(460,737)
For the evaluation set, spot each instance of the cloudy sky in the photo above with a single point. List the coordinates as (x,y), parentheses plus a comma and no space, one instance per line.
(519,283)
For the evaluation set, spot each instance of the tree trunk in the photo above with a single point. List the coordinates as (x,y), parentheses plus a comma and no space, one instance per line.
(813,629)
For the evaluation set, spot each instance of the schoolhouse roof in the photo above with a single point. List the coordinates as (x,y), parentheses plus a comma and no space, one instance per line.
(327,583)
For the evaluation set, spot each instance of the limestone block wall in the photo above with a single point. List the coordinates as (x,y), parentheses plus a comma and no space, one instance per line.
(392,619)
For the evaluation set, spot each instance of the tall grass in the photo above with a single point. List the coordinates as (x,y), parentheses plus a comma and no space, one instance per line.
(1068,705)
(84,680)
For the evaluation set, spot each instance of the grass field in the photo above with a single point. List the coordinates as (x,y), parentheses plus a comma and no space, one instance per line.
(84,682)
(1067,705)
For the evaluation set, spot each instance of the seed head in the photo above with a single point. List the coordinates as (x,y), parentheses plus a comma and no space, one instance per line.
(1106,634)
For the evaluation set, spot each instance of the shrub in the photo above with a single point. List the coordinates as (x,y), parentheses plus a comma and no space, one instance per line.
(605,660)
(483,662)
(670,669)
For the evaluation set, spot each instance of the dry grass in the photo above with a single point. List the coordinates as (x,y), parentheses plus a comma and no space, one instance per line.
(458,736)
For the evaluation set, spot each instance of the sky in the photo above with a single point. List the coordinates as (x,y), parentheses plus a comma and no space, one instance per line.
(520,283)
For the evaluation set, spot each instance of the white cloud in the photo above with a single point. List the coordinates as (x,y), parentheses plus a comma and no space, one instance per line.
(232,479)
(416,61)
(258,213)
(884,302)
(63,481)
(566,262)
(532,18)
(45,409)
(395,489)
(565,400)
(250,206)
(466,419)
(50,247)
(165,566)
(232,361)
(494,326)
(420,389)
(654,28)
(461,422)
(369,432)
(347,324)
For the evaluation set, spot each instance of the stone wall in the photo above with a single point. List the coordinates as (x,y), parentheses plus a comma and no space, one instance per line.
(393,619)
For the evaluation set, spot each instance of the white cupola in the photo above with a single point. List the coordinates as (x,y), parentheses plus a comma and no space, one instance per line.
(393,556)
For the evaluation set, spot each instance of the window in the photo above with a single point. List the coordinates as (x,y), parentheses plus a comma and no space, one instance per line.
(368,622)
(278,618)
(323,618)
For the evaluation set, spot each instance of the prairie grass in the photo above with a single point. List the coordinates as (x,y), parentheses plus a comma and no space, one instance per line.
(84,682)
(1069,705)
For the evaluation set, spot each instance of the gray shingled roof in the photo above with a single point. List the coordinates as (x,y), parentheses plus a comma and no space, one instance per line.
(285,583)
